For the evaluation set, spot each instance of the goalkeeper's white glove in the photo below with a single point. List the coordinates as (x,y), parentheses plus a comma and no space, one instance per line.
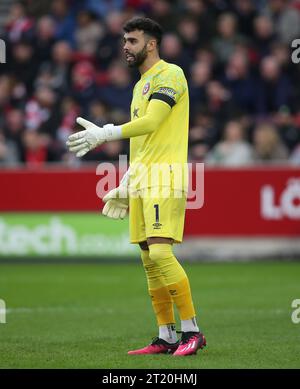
(117,200)
(83,141)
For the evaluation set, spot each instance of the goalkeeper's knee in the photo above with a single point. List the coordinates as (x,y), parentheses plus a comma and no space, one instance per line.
(152,271)
(162,256)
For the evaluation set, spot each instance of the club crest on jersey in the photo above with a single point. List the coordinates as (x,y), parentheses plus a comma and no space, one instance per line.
(146,88)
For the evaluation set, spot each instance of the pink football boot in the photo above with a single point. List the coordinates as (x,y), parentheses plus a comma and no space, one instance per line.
(190,343)
(157,346)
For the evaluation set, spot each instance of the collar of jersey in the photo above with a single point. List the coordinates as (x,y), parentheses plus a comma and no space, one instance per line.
(149,71)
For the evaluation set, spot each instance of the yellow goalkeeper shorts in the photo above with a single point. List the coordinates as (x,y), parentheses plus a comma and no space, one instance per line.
(159,214)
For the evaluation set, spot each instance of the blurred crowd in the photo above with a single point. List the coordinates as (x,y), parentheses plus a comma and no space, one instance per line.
(64,59)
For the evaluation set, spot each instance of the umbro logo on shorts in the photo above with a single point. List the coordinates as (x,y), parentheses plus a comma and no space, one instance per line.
(157,226)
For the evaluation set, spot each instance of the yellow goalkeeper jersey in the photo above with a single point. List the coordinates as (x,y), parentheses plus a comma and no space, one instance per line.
(165,149)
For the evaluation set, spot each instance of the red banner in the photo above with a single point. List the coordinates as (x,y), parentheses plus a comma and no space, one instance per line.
(248,202)
(237,202)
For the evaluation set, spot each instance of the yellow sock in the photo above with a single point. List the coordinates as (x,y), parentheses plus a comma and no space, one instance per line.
(174,277)
(161,300)
(182,297)
(162,306)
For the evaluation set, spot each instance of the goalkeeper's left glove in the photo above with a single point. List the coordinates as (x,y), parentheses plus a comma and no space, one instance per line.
(93,136)
(117,200)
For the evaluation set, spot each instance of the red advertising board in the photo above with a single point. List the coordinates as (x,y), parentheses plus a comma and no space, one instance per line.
(237,202)
(248,202)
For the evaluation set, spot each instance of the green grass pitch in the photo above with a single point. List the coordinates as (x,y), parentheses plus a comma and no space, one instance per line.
(88,316)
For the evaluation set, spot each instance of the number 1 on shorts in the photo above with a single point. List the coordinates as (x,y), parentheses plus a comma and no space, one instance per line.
(156,206)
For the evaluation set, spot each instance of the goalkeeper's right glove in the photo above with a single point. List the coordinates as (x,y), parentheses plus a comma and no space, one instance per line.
(117,200)
(83,141)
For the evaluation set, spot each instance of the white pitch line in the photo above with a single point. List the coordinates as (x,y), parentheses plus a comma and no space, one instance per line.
(56,309)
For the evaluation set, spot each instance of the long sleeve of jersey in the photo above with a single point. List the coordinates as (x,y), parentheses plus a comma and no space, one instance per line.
(157,112)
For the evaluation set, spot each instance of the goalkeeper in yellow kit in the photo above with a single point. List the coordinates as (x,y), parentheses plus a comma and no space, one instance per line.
(155,185)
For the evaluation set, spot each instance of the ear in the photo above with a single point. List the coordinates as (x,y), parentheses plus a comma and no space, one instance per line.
(152,45)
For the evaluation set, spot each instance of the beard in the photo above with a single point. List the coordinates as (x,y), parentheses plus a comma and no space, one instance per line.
(138,58)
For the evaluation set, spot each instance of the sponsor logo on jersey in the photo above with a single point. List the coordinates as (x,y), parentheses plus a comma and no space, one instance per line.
(135,112)
(146,88)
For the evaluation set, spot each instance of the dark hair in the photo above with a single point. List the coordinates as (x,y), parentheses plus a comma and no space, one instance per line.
(149,26)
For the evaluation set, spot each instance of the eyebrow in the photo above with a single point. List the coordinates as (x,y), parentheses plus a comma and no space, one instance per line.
(130,39)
